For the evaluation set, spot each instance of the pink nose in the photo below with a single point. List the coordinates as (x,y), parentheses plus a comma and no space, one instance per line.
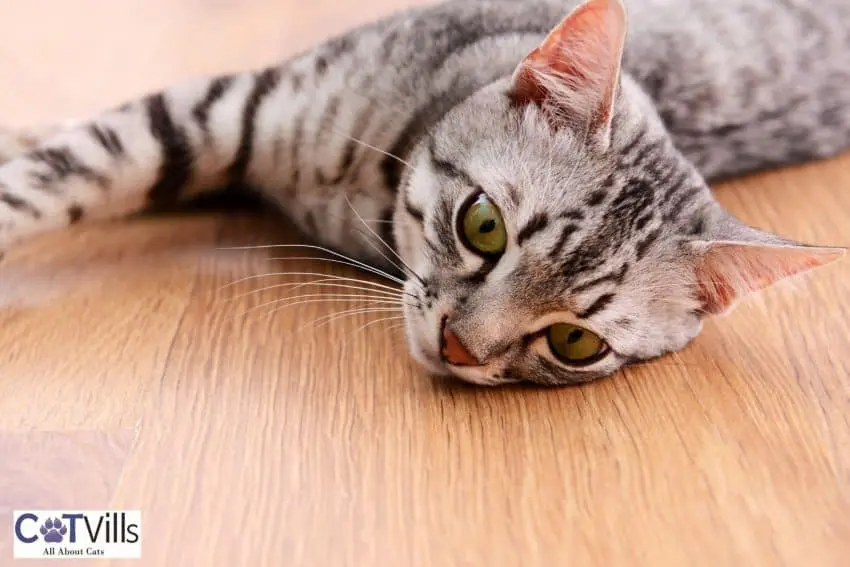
(454,352)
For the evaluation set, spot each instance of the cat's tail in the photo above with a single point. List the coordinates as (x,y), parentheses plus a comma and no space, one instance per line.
(156,151)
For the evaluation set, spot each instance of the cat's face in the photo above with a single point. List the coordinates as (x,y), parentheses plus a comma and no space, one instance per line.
(557,235)
(535,253)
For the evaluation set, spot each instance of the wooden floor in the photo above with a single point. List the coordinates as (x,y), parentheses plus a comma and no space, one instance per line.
(130,378)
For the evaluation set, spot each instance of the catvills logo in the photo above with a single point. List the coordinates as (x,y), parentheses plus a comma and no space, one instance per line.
(69,534)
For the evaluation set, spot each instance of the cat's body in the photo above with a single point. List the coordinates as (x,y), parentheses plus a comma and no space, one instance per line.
(710,88)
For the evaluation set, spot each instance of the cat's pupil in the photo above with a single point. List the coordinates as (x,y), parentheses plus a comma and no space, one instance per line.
(574,336)
(487,226)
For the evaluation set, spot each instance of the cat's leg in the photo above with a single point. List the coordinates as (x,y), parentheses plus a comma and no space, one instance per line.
(17,142)
(204,134)
(154,149)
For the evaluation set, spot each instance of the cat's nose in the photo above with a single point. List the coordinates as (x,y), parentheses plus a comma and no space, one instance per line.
(453,350)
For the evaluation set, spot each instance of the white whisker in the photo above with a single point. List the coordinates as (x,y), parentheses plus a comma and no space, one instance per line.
(328,282)
(371,147)
(370,323)
(357,263)
(351,297)
(314,274)
(376,300)
(326,300)
(335,261)
(382,241)
(328,319)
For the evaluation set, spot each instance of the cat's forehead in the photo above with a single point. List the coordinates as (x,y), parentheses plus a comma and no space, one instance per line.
(518,158)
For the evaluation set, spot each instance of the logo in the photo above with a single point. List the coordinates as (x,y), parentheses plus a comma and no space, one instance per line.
(74,534)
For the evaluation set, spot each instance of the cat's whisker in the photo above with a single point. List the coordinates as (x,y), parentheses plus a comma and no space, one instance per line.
(328,319)
(396,327)
(378,250)
(322,284)
(372,245)
(374,148)
(384,242)
(369,241)
(341,262)
(376,299)
(318,275)
(381,221)
(371,304)
(375,322)
(318,298)
(357,263)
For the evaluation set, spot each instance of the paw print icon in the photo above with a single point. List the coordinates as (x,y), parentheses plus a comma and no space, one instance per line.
(53,531)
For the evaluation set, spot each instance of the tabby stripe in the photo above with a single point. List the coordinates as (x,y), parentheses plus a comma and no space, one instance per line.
(760,118)
(351,144)
(632,144)
(75,213)
(325,123)
(455,38)
(513,194)
(597,306)
(684,198)
(641,221)
(108,138)
(201,112)
(63,164)
(43,182)
(534,225)
(646,152)
(697,226)
(348,154)
(676,185)
(177,156)
(642,247)
(264,84)
(572,214)
(569,230)
(596,198)
(295,149)
(447,168)
(413,211)
(331,51)
(614,277)
(415,128)
(444,226)
(20,205)
(480,275)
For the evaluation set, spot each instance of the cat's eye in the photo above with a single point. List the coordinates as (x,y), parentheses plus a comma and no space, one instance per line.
(575,345)
(481,226)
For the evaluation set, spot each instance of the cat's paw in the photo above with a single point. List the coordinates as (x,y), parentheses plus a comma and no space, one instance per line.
(53,531)
(16,142)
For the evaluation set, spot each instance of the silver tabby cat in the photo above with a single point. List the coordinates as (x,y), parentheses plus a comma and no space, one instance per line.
(541,166)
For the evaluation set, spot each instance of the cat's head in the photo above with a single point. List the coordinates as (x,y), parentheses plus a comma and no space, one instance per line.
(556,232)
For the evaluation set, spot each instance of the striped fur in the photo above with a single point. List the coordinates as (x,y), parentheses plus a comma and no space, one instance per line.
(608,208)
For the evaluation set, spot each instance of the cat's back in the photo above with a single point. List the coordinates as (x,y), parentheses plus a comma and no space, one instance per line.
(745,84)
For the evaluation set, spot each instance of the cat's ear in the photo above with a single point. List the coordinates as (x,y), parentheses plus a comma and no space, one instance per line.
(726,271)
(574,74)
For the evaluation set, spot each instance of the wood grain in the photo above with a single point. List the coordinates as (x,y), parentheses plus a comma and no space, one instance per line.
(259,442)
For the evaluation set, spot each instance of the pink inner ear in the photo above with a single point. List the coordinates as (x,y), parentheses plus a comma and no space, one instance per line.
(727,271)
(577,65)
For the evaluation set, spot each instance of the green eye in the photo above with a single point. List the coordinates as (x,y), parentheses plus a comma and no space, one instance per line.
(482,226)
(575,345)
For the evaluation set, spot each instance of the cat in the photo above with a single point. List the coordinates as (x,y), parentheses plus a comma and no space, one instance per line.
(541,166)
